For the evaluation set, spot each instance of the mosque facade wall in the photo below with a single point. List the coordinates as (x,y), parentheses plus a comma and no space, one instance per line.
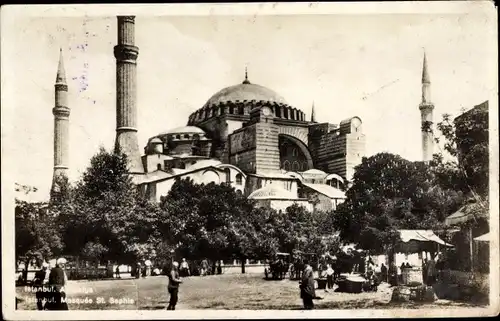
(267,154)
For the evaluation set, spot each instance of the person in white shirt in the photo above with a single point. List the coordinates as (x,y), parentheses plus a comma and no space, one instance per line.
(184,270)
(329,277)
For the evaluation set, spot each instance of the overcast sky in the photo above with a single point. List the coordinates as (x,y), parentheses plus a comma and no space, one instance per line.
(333,60)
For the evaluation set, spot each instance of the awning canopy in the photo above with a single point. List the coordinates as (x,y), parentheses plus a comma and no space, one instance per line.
(421,236)
(483,238)
(470,211)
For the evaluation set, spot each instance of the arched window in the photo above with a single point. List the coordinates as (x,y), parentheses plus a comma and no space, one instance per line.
(158,167)
(286,165)
(295,166)
(241,111)
(294,152)
(186,136)
(228,175)
(239,179)
(177,136)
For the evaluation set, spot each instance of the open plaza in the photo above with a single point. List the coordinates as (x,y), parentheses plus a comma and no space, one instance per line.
(248,291)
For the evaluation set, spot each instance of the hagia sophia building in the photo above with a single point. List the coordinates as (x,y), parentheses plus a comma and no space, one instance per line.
(245,135)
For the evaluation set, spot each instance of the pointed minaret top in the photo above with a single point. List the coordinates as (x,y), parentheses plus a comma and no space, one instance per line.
(425,73)
(246,81)
(61,73)
(313,114)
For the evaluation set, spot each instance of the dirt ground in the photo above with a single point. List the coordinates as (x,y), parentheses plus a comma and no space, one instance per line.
(227,292)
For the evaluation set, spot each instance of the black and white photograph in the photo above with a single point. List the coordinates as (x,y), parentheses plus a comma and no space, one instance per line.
(258,160)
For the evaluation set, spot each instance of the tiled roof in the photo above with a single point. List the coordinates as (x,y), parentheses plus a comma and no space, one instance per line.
(272,191)
(326,190)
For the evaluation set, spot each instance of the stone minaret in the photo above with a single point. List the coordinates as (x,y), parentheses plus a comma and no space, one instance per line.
(426,107)
(61,128)
(126,92)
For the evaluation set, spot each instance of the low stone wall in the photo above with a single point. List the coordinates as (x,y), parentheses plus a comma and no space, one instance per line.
(250,268)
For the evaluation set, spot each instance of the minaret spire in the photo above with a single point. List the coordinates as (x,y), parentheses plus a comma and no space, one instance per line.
(425,73)
(61,114)
(426,107)
(61,73)
(313,114)
(246,81)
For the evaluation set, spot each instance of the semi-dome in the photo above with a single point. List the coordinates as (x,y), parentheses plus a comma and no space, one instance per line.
(184,130)
(314,171)
(245,91)
(272,192)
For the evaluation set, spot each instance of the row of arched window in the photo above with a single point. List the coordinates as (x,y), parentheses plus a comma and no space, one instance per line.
(187,136)
(295,166)
(238,177)
(243,108)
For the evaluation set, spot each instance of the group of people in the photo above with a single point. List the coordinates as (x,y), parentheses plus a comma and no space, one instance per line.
(430,270)
(50,286)
(202,268)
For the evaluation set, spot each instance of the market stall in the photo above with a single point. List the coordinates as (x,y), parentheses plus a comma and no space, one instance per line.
(417,241)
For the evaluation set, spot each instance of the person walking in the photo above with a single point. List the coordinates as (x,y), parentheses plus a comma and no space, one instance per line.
(39,282)
(58,281)
(117,271)
(383,272)
(184,270)
(204,267)
(307,288)
(431,272)
(138,270)
(393,274)
(173,286)
(329,277)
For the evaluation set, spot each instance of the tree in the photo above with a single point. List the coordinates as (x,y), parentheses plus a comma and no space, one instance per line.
(391,193)
(209,219)
(61,194)
(36,232)
(466,139)
(108,216)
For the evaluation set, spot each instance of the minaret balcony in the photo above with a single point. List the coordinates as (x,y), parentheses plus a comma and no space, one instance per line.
(61,111)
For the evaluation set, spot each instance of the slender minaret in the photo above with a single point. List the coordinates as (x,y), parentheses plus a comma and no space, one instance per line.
(126,92)
(313,114)
(426,107)
(61,128)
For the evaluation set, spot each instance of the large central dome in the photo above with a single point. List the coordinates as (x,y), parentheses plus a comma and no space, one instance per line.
(237,101)
(245,91)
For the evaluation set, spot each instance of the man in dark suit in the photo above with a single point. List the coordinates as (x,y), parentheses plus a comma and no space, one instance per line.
(39,282)
(307,287)
(173,285)
(57,283)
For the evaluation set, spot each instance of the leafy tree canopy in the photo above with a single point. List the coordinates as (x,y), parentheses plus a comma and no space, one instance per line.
(108,215)
(391,193)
